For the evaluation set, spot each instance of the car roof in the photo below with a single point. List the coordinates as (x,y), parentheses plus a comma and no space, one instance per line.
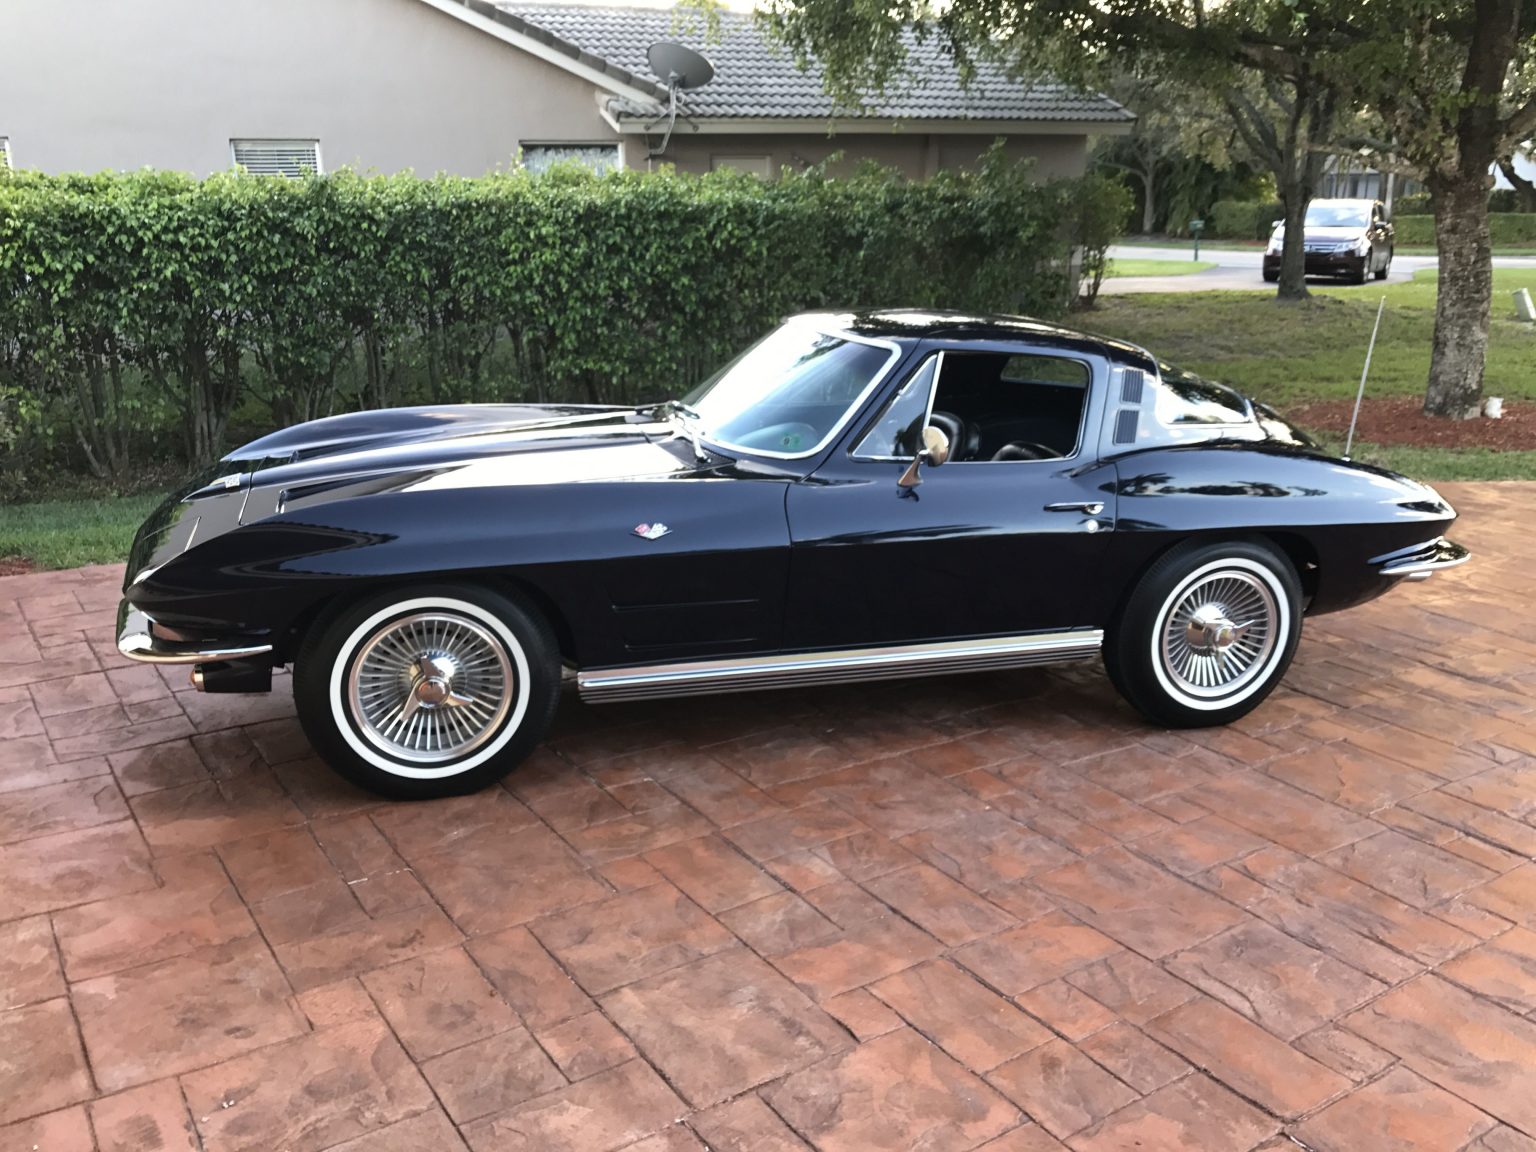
(946,324)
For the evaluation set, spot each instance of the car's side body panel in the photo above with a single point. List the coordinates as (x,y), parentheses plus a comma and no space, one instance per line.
(1345,515)
(981,548)
(714,581)
(759,557)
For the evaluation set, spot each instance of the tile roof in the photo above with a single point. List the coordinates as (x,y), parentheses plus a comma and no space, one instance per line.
(759,80)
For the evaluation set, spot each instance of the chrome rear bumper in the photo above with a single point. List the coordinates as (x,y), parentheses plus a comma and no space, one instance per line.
(137,641)
(1424,560)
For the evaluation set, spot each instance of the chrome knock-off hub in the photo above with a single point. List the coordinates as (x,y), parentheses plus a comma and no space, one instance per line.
(431,687)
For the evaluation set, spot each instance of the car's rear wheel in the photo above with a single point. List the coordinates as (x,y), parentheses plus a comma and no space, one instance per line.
(1207,634)
(430,691)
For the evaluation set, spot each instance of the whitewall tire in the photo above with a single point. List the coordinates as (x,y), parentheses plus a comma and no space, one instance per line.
(1206,634)
(428,691)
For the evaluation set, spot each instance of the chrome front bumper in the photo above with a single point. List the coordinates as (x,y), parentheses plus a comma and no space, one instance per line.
(1423,560)
(137,641)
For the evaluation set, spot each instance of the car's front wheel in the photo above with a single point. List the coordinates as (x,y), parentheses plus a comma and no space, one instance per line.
(1206,634)
(430,691)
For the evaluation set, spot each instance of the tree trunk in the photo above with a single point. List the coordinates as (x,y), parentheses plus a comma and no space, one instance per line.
(1149,205)
(1295,195)
(1525,190)
(1463,298)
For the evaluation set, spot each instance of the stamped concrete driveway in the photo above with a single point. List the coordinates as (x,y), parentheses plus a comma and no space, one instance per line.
(992,912)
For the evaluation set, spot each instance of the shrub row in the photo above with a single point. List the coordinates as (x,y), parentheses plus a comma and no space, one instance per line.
(1243,219)
(1421,204)
(1507,229)
(151,312)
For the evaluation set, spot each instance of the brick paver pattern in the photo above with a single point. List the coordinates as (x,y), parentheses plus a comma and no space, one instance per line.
(989,912)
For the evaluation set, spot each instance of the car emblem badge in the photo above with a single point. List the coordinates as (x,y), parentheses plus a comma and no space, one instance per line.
(651,531)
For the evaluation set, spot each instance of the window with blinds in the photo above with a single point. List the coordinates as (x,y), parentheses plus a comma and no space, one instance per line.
(277,157)
(5,151)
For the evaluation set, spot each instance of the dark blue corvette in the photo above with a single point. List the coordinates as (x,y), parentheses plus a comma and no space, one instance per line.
(433,573)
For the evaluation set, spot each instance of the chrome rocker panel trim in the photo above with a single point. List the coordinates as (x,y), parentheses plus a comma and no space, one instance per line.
(751,673)
(137,642)
(1423,561)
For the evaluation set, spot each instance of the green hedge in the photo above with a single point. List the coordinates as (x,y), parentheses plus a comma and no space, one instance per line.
(1421,204)
(1507,229)
(1243,219)
(153,314)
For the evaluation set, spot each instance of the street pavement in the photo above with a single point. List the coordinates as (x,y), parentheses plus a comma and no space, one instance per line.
(1241,269)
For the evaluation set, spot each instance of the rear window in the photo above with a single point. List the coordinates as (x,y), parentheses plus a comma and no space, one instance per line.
(1183,398)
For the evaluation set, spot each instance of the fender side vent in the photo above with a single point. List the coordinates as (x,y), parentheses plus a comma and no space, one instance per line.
(1126,421)
(1131,382)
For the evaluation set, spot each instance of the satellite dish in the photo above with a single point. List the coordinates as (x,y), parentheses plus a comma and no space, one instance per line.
(678,66)
(680,69)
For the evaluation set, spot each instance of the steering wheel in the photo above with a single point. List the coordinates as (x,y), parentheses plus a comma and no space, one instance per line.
(1026,450)
(953,427)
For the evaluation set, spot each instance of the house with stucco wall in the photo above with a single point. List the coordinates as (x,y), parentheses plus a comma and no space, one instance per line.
(469,86)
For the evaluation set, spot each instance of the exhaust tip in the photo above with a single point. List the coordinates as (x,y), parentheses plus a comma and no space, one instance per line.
(197,677)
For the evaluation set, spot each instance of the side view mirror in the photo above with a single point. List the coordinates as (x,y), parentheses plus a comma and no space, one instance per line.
(935,452)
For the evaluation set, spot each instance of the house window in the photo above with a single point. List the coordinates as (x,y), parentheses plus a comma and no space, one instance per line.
(277,157)
(757,165)
(598,157)
(5,151)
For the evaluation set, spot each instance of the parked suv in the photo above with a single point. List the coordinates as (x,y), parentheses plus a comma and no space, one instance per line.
(1350,238)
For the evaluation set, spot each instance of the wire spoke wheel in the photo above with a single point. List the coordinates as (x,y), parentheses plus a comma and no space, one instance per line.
(431,687)
(1217,632)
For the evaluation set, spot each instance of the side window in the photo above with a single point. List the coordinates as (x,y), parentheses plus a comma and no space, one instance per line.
(1002,407)
(899,428)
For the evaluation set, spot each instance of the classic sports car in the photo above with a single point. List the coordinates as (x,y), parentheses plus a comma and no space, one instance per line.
(433,574)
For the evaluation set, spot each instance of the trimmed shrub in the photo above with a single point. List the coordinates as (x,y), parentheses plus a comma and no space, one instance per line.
(140,305)
(1508,229)
(1243,219)
(1417,204)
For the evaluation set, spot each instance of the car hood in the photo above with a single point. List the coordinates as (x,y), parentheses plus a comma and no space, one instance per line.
(402,450)
(463,445)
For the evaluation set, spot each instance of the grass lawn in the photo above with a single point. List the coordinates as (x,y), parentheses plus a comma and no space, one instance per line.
(1253,245)
(1313,350)
(66,534)
(1156,267)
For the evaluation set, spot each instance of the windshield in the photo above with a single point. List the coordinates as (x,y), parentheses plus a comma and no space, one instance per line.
(1321,214)
(790,393)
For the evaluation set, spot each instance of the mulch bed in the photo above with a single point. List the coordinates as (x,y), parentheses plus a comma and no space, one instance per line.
(1398,420)
(15,566)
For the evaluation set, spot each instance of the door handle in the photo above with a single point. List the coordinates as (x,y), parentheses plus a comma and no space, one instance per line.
(1091,507)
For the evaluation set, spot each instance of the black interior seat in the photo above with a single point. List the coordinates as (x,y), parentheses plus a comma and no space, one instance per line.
(964,437)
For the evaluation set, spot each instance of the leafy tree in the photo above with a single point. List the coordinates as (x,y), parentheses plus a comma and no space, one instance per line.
(1268,56)
(1181,135)
(1452,82)
(1454,87)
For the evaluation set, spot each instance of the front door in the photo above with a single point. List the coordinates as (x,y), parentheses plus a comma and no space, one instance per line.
(1009,536)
